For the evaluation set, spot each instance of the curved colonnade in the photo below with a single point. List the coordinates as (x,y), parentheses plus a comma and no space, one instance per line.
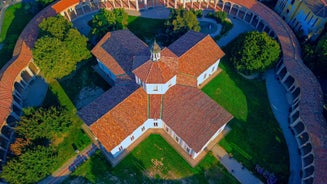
(305,115)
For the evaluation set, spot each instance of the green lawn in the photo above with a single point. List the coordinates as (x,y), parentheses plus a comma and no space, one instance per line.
(15,19)
(153,160)
(145,28)
(74,135)
(255,137)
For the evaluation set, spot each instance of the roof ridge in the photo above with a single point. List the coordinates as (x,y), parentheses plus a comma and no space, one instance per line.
(193,46)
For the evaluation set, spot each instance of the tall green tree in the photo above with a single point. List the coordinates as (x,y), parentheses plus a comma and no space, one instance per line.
(179,22)
(59,47)
(30,167)
(107,20)
(254,52)
(42,123)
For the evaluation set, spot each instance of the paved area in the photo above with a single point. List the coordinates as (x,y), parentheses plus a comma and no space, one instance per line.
(160,12)
(238,28)
(243,175)
(279,104)
(63,172)
(35,93)
(219,26)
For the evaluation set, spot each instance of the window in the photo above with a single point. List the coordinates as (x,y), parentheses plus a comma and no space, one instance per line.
(155,88)
(188,150)
(177,139)
(167,129)
(132,138)
(287,11)
(205,75)
(213,69)
(143,128)
(120,148)
(155,124)
(292,2)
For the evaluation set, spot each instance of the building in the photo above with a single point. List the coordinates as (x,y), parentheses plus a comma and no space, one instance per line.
(306,17)
(156,89)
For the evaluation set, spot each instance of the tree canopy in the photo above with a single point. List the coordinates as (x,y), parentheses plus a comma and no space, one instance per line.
(180,21)
(254,52)
(315,56)
(106,21)
(30,167)
(42,123)
(59,47)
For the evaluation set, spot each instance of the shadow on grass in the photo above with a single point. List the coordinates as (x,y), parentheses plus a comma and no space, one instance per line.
(16,18)
(146,28)
(84,85)
(256,137)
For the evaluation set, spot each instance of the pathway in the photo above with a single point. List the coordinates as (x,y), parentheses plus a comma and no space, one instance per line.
(238,28)
(243,175)
(279,105)
(68,167)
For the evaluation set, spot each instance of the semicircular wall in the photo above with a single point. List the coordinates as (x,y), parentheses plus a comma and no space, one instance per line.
(305,118)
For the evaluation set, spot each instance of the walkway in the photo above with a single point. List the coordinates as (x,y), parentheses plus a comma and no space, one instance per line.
(243,175)
(238,28)
(279,105)
(68,167)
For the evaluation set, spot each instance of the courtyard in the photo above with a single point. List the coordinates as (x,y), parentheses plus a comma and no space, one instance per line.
(234,143)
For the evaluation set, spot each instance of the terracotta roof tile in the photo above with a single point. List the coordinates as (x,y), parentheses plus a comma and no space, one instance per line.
(117,49)
(192,60)
(318,7)
(108,100)
(154,72)
(113,127)
(64,4)
(186,42)
(193,115)
(155,106)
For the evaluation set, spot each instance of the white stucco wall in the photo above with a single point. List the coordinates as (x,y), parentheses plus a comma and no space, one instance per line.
(150,123)
(206,74)
(156,88)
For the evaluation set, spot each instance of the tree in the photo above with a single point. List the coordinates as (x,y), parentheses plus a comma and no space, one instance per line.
(30,167)
(56,27)
(179,22)
(315,56)
(254,52)
(19,146)
(106,21)
(42,123)
(59,48)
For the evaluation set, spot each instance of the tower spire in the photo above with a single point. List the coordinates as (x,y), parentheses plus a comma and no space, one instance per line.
(155,51)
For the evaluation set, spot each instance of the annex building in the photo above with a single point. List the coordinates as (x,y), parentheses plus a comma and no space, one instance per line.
(156,88)
(306,16)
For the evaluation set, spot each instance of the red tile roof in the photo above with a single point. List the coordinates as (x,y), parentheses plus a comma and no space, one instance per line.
(117,49)
(156,72)
(192,61)
(193,115)
(113,127)
(155,106)
(64,4)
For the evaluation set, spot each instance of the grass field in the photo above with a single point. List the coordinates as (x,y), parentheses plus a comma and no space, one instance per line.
(255,137)
(74,135)
(152,161)
(15,19)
